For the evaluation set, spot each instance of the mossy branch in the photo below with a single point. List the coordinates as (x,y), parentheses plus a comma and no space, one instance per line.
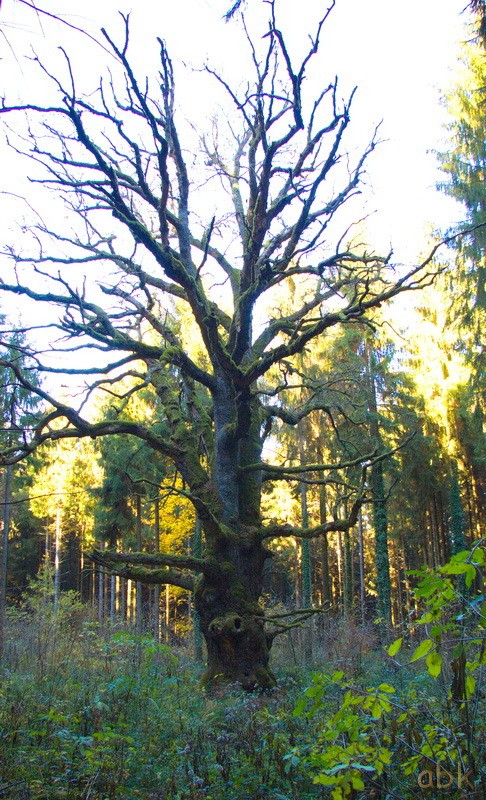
(283,627)
(283,471)
(156,568)
(150,576)
(277,531)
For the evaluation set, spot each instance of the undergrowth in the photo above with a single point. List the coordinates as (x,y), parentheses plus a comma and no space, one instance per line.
(93,713)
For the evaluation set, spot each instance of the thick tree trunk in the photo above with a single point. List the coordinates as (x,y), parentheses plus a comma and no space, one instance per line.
(230,617)
(232,621)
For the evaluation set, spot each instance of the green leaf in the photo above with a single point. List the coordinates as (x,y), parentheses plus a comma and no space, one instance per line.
(395,647)
(428,617)
(422,650)
(470,576)
(460,557)
(324,780)
(434,663)
(458,650)
(299,707)
(376,710)
(470,686)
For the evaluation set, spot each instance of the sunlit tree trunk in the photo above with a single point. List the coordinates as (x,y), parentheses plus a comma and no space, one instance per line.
(112,598)
(340,568)
(57,557)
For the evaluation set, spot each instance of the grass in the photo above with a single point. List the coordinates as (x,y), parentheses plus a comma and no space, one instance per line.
(100,713)
(96,714)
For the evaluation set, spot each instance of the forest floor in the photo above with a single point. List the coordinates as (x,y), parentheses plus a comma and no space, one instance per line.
(91,712)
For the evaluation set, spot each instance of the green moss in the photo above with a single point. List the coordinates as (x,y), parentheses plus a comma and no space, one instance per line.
(264,677)
(231,623)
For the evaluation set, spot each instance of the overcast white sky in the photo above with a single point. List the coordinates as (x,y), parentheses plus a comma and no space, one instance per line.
(399,54)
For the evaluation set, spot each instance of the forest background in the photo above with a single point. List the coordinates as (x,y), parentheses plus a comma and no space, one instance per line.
(413,389)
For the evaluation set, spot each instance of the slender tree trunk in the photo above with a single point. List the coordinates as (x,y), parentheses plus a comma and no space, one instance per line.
(397,600)
(434,533)
(197,552)
(157,588)
(306,558)
(406,581)
(71,559)
(340,568)
(124,599)
(92,587)
(348,595)
(362,599)
(4,555)
(324,543)
(112,598)
(167,612)
(381,544)
(57,559)
(139,587)
(470,503)
(456,514)
(380,517)
(101,598)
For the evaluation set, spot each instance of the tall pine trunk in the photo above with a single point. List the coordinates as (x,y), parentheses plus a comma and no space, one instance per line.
(306,558)
(4,555)
(380,517)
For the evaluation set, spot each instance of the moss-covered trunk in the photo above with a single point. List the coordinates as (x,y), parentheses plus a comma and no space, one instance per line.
(232,621)
(227,601)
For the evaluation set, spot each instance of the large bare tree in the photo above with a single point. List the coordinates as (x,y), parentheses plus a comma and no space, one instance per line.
(118,160)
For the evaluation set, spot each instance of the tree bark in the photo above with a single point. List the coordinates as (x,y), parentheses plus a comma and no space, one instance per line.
(139,586)
(57,559)
(380,516)
(306,558)
(4,555)
(157,587)
(197,552)
(362,595)
(232,621)
(324,543)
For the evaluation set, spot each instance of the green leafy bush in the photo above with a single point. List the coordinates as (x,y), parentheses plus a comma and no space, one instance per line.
(385,740)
